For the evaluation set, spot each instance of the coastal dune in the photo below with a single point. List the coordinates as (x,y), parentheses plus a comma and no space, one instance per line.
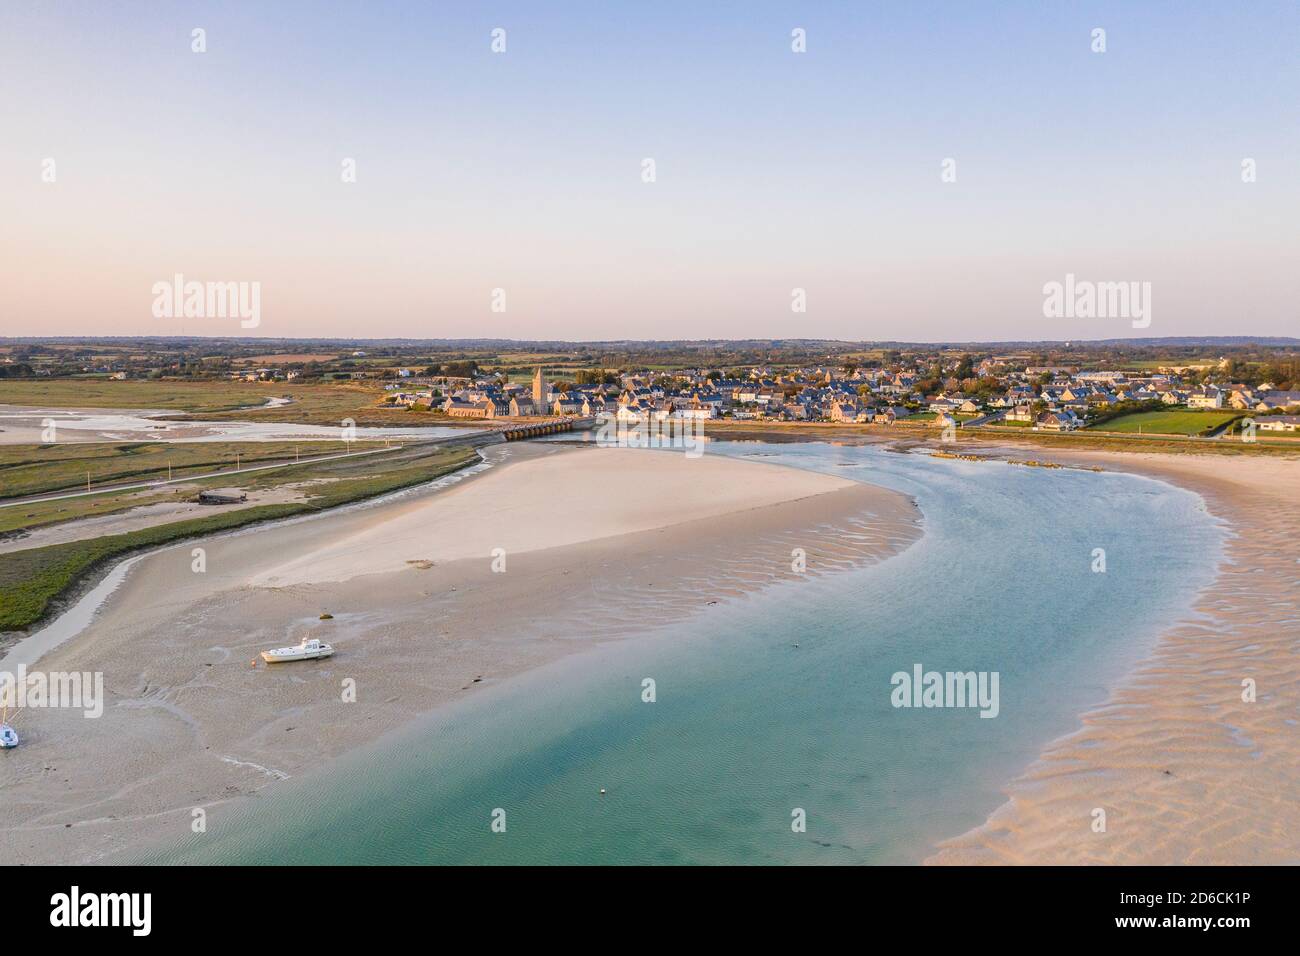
(600,544)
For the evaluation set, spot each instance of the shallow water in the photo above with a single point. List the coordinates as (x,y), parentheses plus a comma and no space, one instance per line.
(18,426)
(747,727)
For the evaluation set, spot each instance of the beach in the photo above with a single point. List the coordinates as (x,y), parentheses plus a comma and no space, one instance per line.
(431,597)
(555,549)
(781,698)
(1185,770)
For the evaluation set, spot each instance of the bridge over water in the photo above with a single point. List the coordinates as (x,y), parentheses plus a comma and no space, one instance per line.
(518,431)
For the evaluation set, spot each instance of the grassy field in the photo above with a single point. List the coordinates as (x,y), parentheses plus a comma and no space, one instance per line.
(279,358)
(32,581)
(1175,421)
(37,469)
(104,393)
(39,514)
(1152,364)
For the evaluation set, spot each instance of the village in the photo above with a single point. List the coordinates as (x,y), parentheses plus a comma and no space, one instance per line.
(994,391)
(1241,388)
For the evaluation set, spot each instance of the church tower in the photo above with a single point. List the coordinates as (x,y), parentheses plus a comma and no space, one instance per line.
(541,391)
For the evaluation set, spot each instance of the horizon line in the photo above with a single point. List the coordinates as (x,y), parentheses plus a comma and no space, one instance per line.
(1271,340)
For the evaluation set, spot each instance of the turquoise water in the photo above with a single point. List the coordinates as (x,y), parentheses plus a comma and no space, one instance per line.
(747,726)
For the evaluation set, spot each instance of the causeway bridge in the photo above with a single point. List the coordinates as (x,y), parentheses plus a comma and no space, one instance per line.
(500,431)
(522,430)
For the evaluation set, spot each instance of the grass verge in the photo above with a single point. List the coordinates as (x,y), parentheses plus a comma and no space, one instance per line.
(39,469)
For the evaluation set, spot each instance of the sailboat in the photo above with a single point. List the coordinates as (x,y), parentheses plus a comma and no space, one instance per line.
(8,736)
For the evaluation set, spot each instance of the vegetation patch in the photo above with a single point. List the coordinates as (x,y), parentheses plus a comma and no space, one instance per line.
(38,469)
(1172,421)
(32,581)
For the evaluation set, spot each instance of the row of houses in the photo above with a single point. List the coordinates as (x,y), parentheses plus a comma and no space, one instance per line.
(1046,397)
(265,375)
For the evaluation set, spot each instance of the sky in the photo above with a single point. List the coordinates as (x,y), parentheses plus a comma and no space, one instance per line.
(127,158)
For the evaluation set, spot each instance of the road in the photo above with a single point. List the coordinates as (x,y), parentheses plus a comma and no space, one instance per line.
(160,483)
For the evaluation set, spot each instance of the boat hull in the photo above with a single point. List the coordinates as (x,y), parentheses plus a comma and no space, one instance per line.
(272,657)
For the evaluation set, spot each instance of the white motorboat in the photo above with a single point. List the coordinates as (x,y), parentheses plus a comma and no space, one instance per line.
(8,736)
(309,650)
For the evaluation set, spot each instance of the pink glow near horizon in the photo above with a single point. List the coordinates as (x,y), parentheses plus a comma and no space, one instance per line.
(775,171)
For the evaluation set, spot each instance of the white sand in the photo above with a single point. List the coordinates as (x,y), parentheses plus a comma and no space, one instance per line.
(562,500)
(606,544)
(1186,770)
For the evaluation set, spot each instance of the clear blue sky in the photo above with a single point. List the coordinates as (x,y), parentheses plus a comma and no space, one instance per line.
(775,170)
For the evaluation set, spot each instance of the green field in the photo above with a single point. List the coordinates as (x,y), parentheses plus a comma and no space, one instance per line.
(104,393)
(1175,421)
(25,517)
(32,580)
(1152,364)
(36,469)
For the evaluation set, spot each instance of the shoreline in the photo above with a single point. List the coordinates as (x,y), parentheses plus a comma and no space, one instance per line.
(42,589)
(1175,752)
(16,645)
(24,425)
(1170,754)
(188,723)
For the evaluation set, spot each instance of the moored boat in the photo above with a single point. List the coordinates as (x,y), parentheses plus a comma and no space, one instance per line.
(310,649)
(8,736)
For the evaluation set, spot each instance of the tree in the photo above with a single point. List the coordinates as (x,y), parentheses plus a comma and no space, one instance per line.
(464,369)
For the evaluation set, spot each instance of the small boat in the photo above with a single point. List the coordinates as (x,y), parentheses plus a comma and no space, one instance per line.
(308,650)
(8,736)
(219,498)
